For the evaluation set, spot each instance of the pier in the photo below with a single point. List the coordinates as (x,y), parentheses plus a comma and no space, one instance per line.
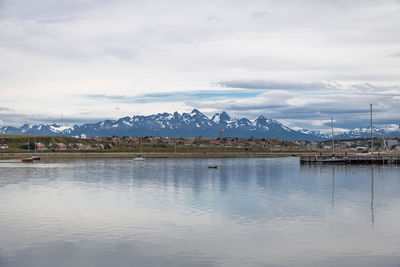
(359,159)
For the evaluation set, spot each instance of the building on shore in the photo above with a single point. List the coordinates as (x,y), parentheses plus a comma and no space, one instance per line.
(40,146)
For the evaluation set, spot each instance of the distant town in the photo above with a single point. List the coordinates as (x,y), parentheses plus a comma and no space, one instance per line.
(24,143)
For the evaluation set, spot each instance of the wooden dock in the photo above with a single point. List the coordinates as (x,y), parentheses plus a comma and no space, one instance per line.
(367,159)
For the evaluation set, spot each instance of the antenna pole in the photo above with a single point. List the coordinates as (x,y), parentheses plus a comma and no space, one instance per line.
(372,136)
(333,141)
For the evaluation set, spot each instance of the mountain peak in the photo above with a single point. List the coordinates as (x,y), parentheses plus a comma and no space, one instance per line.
(197,113)
(225,116)
(221,118)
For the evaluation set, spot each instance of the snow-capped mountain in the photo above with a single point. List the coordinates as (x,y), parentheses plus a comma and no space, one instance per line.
(195,124)
(192,124)
(392,130)
(259,127)
(41,129)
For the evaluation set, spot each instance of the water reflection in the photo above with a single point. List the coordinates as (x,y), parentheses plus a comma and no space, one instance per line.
(372,196)
(333,188)
(248,212)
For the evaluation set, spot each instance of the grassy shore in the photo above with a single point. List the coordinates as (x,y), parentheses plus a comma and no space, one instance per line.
(93,155)
(19,144)
(71,155)
(18,148)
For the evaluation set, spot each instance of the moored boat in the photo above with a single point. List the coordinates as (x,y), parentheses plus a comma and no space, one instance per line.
(27,160)
(325,159)
(34,157)
(30,158)
(332,160)
(139,158)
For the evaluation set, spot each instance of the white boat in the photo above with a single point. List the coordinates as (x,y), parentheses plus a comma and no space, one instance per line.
(34,157)
(139,158)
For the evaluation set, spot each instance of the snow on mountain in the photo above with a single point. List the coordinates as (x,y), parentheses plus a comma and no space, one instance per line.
(58,128)
(194,124)
(392,130)
(191,124)
(221,118)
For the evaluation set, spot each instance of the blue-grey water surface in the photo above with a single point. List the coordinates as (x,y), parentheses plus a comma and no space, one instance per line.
(177,212)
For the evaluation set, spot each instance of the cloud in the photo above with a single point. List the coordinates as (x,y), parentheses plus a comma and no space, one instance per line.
(58,20)
(394,55)
(349,105)
(18,119)
(176,96)
(275,85)
(87,57)
(259,15)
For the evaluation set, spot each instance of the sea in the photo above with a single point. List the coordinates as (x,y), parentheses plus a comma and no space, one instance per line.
(179,212)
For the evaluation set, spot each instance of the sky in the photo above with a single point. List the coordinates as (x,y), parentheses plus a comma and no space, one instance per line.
(299,62)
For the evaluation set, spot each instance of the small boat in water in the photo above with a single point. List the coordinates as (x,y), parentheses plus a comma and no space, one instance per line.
(34,157)
(27,160)
(30,158)
(212,166)
(139,158)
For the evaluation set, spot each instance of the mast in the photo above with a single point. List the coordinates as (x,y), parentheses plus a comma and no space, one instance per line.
(333,141)
(372,137)
(175,144)
(384,142)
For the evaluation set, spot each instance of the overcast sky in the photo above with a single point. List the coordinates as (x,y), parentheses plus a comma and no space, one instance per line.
(300,62)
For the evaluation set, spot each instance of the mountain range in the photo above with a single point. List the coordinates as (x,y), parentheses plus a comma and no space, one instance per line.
(193,124)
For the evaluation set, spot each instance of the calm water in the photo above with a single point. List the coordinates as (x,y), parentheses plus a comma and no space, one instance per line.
(164,212)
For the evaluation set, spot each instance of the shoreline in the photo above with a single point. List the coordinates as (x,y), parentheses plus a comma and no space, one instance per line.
(155,155)
(89,155)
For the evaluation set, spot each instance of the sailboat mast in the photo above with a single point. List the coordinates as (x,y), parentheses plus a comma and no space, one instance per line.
(333,141)
(372,136)
(384,142)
